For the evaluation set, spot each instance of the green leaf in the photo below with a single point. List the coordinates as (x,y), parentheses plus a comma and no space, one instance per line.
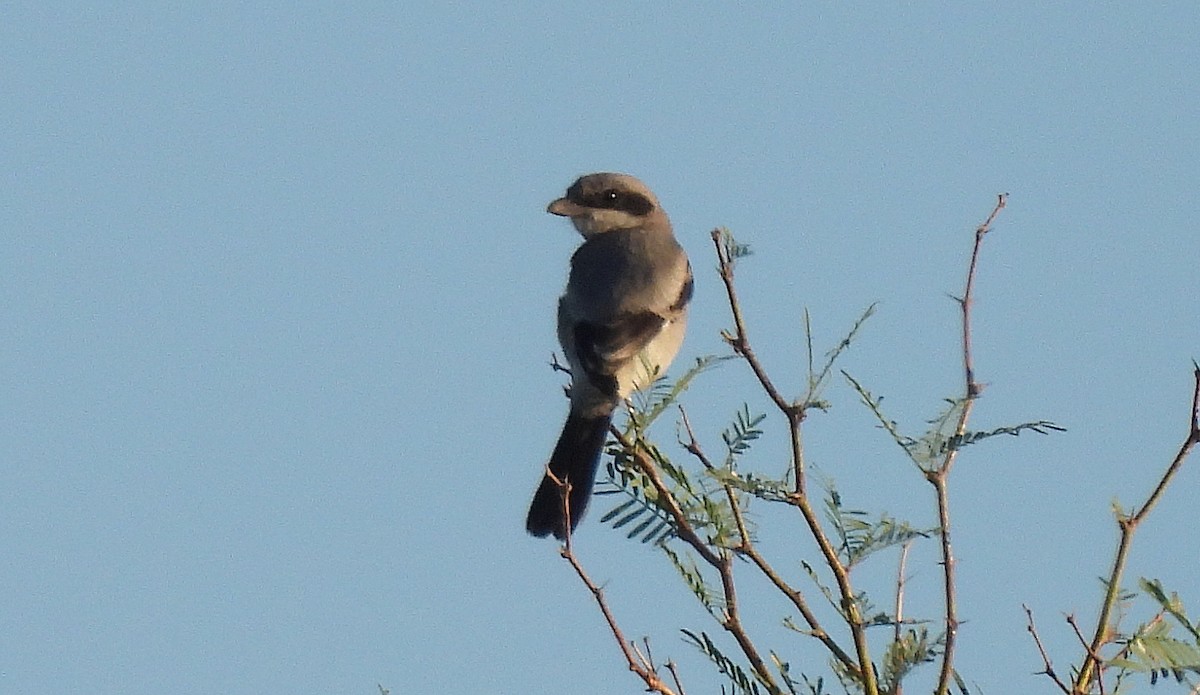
(690,572)
(860,537)
(912,649)
(874,404)
(741,433)
(769,489)
(738,678)
(656,527)
(616,511)
(1152,649)
(941,437)
(817,381)
(638,511)
(1172,605)
(664,393)
(733,250)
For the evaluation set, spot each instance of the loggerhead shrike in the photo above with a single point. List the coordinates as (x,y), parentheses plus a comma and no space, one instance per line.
(620,322)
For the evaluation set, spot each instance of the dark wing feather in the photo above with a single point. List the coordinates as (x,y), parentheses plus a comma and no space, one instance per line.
(603,348)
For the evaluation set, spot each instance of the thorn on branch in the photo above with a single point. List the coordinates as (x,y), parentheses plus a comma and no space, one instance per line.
(557,366)
(1048,669)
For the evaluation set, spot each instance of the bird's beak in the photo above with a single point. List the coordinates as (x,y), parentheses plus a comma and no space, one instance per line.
(564,208)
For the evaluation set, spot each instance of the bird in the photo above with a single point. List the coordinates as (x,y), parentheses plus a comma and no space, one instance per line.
(621,321)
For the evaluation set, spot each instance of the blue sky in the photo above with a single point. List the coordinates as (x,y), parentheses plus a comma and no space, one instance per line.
(279,291)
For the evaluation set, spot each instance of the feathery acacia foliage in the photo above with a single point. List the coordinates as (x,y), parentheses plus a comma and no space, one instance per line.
(694,509)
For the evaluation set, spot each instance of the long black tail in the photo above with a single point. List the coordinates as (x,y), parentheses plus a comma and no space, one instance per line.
(575,459)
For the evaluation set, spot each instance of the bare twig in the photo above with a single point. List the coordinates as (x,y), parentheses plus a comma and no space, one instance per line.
(1128,524)
(797,598)
(740,342)
(948,584)
(939,475)
(1087,648)
(1193,438)
(898,687)
(638,664)
(900,581)
(1070,618)
(693,447)
(733,624)
(642,665)
(737,340)
(1049,668)
(671,666)
(795,413)
(645,658)
(557,366)
(972,386)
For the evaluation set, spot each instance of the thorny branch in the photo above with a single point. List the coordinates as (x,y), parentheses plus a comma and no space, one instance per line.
(747,549)
(860,665)
(1128,524)
(864,669)
(1049,668)
(939,475)
(721,560)
(901,579)
(740,342)
(640,664)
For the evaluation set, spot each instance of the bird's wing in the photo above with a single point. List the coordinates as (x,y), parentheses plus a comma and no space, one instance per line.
(602,348)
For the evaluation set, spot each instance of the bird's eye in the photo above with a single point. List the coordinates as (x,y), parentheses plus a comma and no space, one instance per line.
(617,199)
(609,198)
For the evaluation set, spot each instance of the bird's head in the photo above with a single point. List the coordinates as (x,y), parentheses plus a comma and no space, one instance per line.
(605,202)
